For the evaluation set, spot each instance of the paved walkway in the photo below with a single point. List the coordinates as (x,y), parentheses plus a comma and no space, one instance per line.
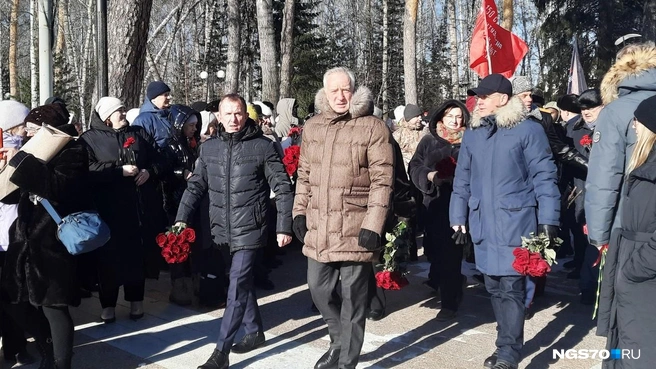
(173,337)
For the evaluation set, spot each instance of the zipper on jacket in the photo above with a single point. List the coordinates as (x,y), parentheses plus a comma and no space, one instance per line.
(228,194)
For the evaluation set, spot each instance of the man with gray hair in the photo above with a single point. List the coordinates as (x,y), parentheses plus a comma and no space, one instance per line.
(343,193)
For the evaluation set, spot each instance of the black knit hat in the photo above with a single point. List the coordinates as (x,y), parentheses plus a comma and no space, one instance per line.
(646,113)
(199,106)
(156,88)
(569,103)
(590,98)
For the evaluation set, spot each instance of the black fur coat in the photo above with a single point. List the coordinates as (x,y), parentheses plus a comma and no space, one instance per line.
(38,268)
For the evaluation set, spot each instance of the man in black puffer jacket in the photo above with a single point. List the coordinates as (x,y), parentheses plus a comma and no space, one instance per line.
(239,168)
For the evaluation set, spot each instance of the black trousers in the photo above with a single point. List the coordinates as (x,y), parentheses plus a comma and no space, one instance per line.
(445,259)
(47,324)
(377,299)
(242,305)
(110,278)
(345,315)
(13,335)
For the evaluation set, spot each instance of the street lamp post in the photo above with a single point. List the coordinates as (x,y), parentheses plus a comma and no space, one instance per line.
(220,75)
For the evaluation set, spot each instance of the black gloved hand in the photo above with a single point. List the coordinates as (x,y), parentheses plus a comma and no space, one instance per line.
(550,231)
(459,237)
(299,226)
(369,240)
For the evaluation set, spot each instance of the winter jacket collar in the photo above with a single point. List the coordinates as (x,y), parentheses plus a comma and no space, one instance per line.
(97,123)
(149,107)
(507,116)
(633,71)
(250,130)
(362,105)
(647,171)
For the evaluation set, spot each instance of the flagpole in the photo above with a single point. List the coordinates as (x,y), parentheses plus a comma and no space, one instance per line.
(487,40)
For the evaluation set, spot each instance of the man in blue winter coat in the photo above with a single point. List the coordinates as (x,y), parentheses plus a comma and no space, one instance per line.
(154,113)
(505,188)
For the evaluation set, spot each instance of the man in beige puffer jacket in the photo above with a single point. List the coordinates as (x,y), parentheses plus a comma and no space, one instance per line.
(343,193)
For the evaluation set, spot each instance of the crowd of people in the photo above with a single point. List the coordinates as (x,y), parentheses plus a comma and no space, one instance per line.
(489,171)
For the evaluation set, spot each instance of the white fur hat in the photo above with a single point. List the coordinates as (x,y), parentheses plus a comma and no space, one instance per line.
(107,105)
(131,115)
(207,118)
(12,114)
(398,113)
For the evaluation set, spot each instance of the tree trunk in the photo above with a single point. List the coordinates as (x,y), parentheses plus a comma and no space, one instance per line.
(453,45)
(13,45)
(234,42)
(268,57)
(649,20)
(286,44)
(385,71)
(508,15)
(61,14)
(125,40)
(34,53)
(410,51)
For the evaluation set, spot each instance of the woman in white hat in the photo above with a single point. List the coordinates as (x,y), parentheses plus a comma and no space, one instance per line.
(123,166)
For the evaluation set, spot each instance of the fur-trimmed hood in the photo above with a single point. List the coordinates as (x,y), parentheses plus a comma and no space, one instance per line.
(362,104)
(507,116)
(635,70)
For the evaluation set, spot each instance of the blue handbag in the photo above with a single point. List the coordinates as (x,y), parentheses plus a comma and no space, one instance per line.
(80,232)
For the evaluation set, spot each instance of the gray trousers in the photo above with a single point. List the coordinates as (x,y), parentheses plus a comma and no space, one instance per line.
(345,315)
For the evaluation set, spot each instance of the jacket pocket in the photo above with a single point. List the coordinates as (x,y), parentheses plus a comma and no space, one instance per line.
(475,224)
(353,213)
(516,217)
(355,161)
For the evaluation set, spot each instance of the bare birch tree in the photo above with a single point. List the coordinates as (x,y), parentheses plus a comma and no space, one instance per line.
(268,57)
(508,15)
(126,64)
(410,51)
(385,70)
(286,45)
(453,45)
(34,52)
(13,46)
(234,42)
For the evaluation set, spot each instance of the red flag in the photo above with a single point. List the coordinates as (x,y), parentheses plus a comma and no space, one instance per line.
(506,50)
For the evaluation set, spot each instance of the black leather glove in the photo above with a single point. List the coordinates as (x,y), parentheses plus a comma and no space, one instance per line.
(460,238)
(299,226)
(550,230)
(369,240)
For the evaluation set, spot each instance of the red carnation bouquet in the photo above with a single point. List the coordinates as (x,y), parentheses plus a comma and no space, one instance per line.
(176,243)
(586,142)
(396,252)
(536,255)
(291,158)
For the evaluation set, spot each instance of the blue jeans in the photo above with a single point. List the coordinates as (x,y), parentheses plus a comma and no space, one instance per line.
(530,291)
(241,306)
(508,299)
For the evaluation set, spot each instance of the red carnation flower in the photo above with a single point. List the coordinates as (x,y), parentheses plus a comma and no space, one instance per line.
(129,142)
(180,239)
(171,238)
(586,141)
